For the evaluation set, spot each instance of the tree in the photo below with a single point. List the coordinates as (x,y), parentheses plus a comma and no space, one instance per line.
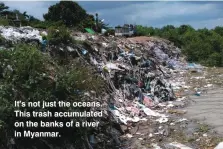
(214,59)
(88,22)
(184,28)
(19,14)
(102,24)
(33,19)
(219,30)
(203,45)
(68,11)
(25,15)
(167,28)
(3,9)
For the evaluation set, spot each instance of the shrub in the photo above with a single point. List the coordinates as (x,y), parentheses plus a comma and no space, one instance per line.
(110,32)
(215,59)
(28,75)
(2,40)
(59,35)
(46,24)
(4,22)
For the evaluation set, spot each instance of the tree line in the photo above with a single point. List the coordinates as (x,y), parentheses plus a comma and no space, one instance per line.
(204,46)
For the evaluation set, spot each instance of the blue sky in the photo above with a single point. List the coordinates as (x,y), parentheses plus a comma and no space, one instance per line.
(156,14)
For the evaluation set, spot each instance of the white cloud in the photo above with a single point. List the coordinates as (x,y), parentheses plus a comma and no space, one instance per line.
(35,8)
(156,14)
(212,23)
(161,13)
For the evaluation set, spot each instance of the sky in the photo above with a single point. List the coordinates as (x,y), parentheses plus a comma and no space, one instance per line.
(156,14)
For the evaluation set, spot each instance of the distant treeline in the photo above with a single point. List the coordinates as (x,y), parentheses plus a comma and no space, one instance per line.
(67,13)
(202,45)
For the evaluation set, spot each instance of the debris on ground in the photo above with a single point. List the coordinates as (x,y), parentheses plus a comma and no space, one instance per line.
(25,34)
(148,83)
(219,146)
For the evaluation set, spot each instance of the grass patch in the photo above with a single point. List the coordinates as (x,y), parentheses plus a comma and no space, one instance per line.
(203,128)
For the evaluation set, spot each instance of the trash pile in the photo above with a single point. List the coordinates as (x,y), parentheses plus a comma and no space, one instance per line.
(15,34)
(138,73)
(143,73)
(138,69)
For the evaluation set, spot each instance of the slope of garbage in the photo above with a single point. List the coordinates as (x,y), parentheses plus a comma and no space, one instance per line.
(146,76)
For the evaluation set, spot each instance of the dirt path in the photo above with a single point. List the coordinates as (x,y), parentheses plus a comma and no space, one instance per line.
(208,108)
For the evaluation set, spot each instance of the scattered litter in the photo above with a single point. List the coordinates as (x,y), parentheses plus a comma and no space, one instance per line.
(162,120)
(177,146)
(176,111)
(84,51)
(172,124)
(197,94)
(181,120)
(128,135)
(219,146)
(150,112)
(205,135)
(156,146)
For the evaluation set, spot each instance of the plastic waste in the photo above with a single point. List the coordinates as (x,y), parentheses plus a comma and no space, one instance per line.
(178,145)
(84,51)
(162,120)
(150,112)
(219,146)
(197,94)
(92,140)
(147,101)
(133,110)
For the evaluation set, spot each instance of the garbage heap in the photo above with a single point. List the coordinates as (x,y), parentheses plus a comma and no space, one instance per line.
(137,69)
(25,34)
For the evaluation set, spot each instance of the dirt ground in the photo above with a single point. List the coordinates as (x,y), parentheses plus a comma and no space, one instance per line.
(196,122)
(208,108)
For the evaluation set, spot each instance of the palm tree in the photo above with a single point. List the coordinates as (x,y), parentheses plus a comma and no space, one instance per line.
(33,19)
(96,22)
(102,24)
(25,15)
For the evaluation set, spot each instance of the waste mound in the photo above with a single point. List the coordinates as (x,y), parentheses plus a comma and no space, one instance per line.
(138,71)
(17,34)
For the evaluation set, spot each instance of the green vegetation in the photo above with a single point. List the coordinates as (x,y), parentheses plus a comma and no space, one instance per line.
(28,75)
(72,16)
(46,24)
(7,16)
(70,12)
(202,45)
(59,35)
(203,128)
(2,40)
(4,22)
